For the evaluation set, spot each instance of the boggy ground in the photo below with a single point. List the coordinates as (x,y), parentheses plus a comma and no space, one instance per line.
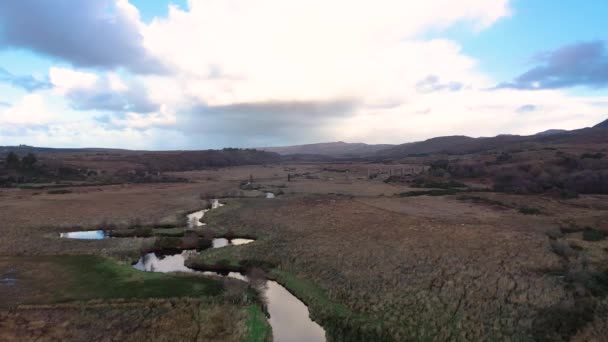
(425,268)
(54,289)
(370,264)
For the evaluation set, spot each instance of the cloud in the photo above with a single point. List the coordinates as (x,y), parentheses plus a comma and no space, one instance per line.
(100,34)
(274,72)
(431,84)
(30,111)
(252,51)
(164,118)
(526,108)
(252,123)
(26,82)
(582,64)
(87,91)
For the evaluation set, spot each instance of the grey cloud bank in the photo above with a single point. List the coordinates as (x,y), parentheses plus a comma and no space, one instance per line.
(267,121)
(102,97)
(85,33)
(582,64)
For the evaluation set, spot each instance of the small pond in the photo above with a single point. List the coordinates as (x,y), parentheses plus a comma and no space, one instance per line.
(86,235)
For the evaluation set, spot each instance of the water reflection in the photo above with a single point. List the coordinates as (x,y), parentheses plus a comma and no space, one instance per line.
(165,263)
(8,281)
(221,242)
(86,235)
(289,317)
(194,219)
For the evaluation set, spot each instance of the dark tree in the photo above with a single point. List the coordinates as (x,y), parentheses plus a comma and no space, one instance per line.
(29,161)
(12,161)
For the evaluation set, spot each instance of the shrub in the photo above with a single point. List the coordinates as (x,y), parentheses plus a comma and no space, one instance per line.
(555,234)
(503,158)
(562,249)
(597,155)
(468,169)
(590,234)
(142,232)
(515,181)
(59,192)
(441,192)
(529,211)
(568,194)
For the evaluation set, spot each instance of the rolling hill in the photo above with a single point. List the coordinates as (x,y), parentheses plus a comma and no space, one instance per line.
(332,149)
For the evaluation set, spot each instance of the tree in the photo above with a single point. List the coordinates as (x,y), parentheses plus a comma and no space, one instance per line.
(12,161)
(28,161)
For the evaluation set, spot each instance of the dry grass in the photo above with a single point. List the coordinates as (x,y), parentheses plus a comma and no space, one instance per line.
(423,268)
(439,270)
(149,320)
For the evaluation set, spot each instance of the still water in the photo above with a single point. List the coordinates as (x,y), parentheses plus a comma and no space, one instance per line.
(86,235)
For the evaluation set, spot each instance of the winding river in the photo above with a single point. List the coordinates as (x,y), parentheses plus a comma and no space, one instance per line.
(289,317)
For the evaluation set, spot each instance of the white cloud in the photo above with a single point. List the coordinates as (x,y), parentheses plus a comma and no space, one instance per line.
(163,118)
(64,79)
(116,83)
(31,110)
(253,51)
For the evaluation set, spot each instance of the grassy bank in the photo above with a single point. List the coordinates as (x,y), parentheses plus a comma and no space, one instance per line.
(258,328)
(80,278)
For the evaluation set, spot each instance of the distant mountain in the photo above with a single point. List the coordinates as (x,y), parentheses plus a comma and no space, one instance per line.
(464,145)
(332,149)
(603,124)
(551,131)
(433,145)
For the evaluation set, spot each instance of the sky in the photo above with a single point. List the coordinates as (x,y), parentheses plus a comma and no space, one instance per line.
(199,74)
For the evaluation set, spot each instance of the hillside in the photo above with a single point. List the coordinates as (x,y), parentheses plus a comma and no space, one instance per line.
(551,131)
(332,149)
(603,124)
(464,144)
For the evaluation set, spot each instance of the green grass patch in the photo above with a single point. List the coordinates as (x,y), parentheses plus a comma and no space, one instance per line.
(310,293)
(258,328)
(93,277)
(339,322)
(169,232)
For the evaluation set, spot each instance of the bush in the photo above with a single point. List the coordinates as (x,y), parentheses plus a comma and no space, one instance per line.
(529,211)
(568,194)
(468,169)
(555,234)
(597,155)
(503,158)
(562,249)
(59,192)
(142,232)
(441,192)
(590,234)
(515,181)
